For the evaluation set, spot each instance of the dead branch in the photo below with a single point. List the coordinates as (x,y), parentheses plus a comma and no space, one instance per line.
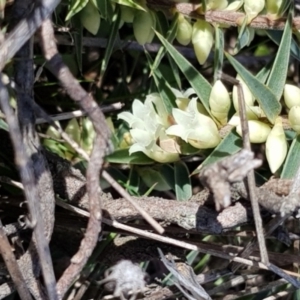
(87,103)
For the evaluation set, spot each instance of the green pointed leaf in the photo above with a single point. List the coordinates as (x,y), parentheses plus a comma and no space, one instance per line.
(231,144)
(183,187)
(153,177)
(162,86)
(277,78)
(3,125)
(196,80)
(292,161)
(263,74)
(243,37)
(170,34)
(111,40)
(90,18)
(276,36)
(262,93)
(132,3)
(122,157)
(75,7)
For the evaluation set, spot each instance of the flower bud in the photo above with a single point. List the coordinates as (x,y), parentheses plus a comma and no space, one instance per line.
(273,7)
(90,18)
(276,146)
(216,4)
(253,8)
(291,95)
(248,97)
(219,102)
(73,130)
(294,118)
(143,24)
(87,135)
(258,131)
(127,13)
(202,40)
(184,31)
(235,5)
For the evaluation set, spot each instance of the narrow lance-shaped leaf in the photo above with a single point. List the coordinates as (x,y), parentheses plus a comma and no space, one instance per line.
(162,86)
(111,40)
(170,37)
(196,80)
(277,78)
(276,36)
(183,187)
(262,93)
(292,161)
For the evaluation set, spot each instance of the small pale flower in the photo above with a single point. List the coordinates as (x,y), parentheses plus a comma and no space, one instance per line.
(183,100)
(216,4)
(202,39)
(184,31)
(248,97)
(194,128)
(258,131)
(148,128)
(276,146)
(294,118)
(219,102)
(253,8)
(291,95)
(235,5)
(273,7)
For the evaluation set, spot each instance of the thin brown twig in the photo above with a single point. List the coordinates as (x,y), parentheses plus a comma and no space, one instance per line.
(250,177)
(228,18)
(202,247)
(79,113)
(87,103)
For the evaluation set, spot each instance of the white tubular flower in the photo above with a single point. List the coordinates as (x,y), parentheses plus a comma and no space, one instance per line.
(248,97)
(202,39)
(183,100)
(291,95)
(276,146)
(294,118)
(253,8)
(147,127)
(258,131)
(194,128)
(216,4)
(219,102)
(184,31)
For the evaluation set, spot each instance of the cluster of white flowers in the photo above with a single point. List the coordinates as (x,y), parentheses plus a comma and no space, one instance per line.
(159,135)
(153,129)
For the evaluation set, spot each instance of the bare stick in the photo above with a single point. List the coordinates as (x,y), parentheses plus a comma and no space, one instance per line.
(25,29)
(250,177)
(78,113)
(26,173)
(12,266)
